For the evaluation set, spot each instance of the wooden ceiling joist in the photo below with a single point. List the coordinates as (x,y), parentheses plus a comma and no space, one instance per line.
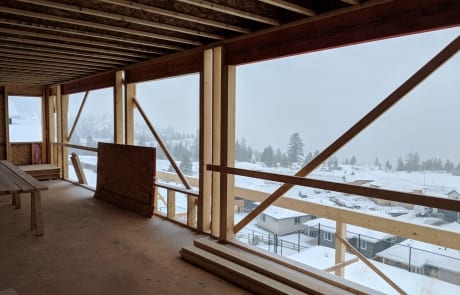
(123,18)
(93,35)
(351,2)
(100,26)
(177,15)
(59,57)
(75,63)
(290,6)
(56,43)
(47,65)
(99,57)
(232,11)
(38,67)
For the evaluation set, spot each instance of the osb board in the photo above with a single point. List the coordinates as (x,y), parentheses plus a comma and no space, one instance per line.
(21,153)
(125,176)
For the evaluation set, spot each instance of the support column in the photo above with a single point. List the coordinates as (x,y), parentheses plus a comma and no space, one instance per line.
(206,149)
(59,148)
(64,135)
(3,124)
(227,154)
(340,248)
(118,108)
(129,113)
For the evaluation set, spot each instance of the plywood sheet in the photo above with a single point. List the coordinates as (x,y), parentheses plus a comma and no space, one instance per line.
(125,176)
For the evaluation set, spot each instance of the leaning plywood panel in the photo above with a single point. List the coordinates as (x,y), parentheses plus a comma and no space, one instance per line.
(125,176)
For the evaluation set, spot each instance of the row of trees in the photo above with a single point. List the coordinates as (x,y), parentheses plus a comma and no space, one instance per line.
(413,162)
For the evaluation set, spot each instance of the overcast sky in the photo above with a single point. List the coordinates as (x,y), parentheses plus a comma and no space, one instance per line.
(322,94)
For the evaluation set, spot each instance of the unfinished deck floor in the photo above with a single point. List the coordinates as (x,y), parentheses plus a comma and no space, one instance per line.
(91,247)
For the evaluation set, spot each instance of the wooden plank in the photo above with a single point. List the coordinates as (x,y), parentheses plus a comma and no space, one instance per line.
(162,145)
(78,169)
(64,129)
(94,82)
(80,109)
(118,108)
(376,112)
(125,176)
(290,6)
(25,90)
(171,213)
(59,148)
(191,210)
(205,156)
(341,265)
(216,137)
(129,112)
(373,20)
(36,209)
(227,152)
(177,189)
(29,181)
(340,249)
(6,123)
(370,265)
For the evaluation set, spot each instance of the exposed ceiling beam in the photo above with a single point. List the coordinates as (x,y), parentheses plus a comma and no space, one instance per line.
(232,11)
(101,57)
(351,2)
(81,64)
(35,66)
(59,57)
(123,18)
(98,26)
(178,15)
(93,35)
(290,6)
(57,42)
(24,73)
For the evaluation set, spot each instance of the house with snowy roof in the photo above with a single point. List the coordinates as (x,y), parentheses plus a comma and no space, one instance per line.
(423,258)
(282,221)
(367,241)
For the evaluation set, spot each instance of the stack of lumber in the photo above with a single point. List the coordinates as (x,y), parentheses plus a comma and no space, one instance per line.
(265,276)
(42,171)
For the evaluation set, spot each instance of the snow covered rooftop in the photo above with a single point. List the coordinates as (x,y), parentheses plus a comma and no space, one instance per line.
(322,257)
(281,213)
(352,230)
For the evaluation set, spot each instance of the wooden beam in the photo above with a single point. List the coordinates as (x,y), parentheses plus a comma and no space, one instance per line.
(98,26)
(130,90)
(216,137)
(381,108)
(59,127)
(51,110)
(341,265)
(373,20)
(171,213)
(58,43)
(205,178)
(24,65)
(128,19)
(62,57)
(78,169)
(7,124)
(93,35)
(227,152)
(340,249)
(104,58)
(79,64)
(118,108)
(351,2)
(64,129)
(98,81)
(232,11)
(191,211)
(370,265)
(162,145)
(290,6)
(177,15)
(82,105)
(378,193)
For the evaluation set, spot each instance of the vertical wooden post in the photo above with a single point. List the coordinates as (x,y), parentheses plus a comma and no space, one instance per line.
(129,113)
(171,204)
(216,124)
(155,198)
(118,108)
(45,129)
(7,125)
(191,210)
(51,110)
(64,136)
(340,248)
(227,155)
(59,148)
(78,169)
(205,178)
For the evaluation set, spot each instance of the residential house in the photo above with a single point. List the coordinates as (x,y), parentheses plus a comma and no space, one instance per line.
(282,221)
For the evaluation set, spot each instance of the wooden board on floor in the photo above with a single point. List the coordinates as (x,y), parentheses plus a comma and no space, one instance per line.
(42,171)
(125,176)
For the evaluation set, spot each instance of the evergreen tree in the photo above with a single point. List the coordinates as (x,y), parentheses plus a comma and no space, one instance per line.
(353,161)
(448,166)
(186,164)
(413,162)
(268,156)
(388,166)
(295,149)
(377,163)
(90,142)
(284,161)
(308,158)
(400,166)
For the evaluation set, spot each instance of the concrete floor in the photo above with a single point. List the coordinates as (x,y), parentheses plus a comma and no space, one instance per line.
(91,247)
